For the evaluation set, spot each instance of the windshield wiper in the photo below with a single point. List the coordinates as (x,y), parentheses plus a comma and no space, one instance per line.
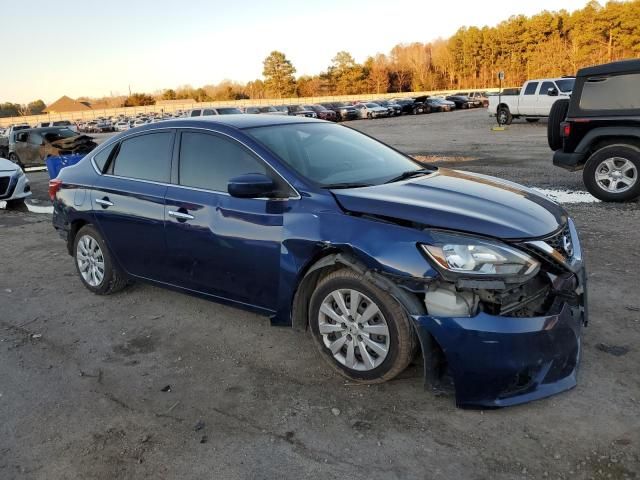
(409,174)
(346,185)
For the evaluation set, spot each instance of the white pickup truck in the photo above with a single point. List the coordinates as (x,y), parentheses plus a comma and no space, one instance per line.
(533,102)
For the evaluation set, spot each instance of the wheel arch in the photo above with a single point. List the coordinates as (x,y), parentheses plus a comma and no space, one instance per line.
(335,258)
(605,136)
(74,228)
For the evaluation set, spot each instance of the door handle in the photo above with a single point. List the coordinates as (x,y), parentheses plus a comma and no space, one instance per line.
(104,202)
(181,216)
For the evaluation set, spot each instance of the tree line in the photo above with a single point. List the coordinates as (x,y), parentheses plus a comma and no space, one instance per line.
(548,44)
(544,45)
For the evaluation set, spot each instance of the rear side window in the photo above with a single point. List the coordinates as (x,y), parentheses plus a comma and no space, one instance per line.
(146,157)
(544,89)
(208,112)
(210,161)
(619,92)
(101,158)
(531,88)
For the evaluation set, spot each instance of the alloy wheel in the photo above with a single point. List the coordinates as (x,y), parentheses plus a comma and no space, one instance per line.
(90,260)
(616,175)
(354,329)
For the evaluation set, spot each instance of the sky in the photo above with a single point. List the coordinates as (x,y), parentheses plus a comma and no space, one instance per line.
(100,48)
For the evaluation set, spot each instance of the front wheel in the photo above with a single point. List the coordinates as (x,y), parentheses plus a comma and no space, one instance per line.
(504,116)
(15,159)
(94,263)
(360,330)
(611,173)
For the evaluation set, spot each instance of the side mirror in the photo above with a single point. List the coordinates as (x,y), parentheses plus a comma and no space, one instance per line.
(251,185)
(552,92)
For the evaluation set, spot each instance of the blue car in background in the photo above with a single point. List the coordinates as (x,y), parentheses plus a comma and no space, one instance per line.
(328,230)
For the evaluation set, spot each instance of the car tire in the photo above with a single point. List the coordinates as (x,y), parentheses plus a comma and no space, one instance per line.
(15,203)
(386,353)
(94,263)
(504,116)
(557,115)
(532,120)
(605,171)
(13,157)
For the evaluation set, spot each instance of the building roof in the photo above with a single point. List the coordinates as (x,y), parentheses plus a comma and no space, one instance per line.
(66,104)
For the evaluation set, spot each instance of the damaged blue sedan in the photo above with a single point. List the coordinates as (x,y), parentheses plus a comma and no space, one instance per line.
(328,230)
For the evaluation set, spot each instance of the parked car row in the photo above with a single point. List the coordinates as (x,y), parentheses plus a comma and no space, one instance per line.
(331,111)
(343,111)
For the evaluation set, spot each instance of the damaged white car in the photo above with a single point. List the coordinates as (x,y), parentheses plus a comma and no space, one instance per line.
(14,184)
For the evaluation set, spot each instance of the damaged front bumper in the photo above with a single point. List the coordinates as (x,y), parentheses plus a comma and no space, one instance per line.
(498,361)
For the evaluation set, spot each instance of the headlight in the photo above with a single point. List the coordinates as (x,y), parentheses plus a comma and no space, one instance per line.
(19,173)
(468,255)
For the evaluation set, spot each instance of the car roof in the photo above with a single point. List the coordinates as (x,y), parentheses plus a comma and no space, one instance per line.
(48,129)
(623,66)
(239,121)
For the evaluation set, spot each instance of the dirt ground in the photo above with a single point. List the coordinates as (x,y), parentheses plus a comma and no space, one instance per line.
(152,384)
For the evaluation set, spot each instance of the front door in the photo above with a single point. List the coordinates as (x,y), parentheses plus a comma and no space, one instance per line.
(217,244)
(545,101)
(128,203)
(28,148)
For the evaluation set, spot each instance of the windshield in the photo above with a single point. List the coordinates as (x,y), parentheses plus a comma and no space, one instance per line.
(267,109)
(59,134)
(372,105)
(329,154)
(566,84)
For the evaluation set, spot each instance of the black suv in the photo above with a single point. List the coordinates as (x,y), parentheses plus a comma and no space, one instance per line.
(598,130)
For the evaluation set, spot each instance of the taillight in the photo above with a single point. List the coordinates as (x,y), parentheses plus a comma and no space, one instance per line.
(54,186)
(566,129)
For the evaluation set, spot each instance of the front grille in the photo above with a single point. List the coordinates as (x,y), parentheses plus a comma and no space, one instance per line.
(556,241)
(4,185)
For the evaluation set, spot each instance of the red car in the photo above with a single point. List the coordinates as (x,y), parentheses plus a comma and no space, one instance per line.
(323,112)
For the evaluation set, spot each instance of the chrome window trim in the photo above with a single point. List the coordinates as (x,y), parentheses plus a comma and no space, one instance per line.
(178,130)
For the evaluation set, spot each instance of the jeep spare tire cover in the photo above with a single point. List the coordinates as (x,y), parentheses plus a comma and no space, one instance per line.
(557,115)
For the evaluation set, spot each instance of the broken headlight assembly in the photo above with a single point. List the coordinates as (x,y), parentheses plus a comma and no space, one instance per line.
(456,255)
(474,269)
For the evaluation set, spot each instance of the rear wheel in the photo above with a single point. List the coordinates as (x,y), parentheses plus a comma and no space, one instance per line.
(15,203)
(360,330)
(557,115)
(95,264)
(611,173)
(504,116)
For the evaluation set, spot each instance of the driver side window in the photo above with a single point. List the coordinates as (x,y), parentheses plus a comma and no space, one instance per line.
(209,161)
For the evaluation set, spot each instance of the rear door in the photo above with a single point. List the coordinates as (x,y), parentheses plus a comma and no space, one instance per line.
(128,202)
(218,244)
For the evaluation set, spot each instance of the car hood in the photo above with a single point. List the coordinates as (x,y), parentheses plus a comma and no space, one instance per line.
(461,201)
(7,165)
